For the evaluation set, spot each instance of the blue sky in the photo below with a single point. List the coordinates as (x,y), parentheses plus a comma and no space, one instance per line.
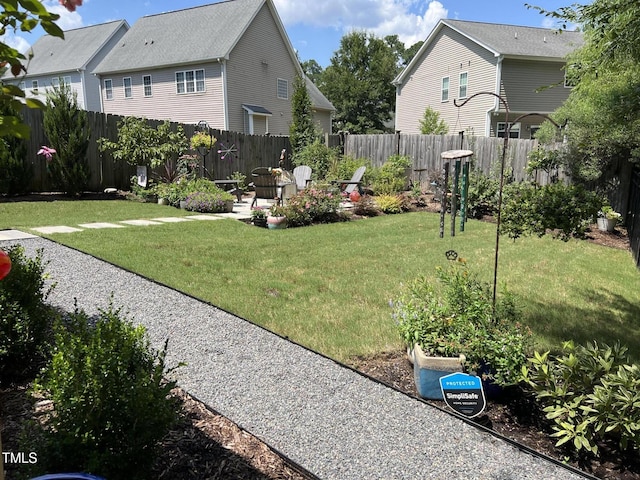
(315,27)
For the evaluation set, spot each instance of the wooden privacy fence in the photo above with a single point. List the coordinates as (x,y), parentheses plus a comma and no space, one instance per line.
(425,150)
(250,151)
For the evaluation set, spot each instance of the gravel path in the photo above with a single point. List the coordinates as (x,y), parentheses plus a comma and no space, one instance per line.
(329,419)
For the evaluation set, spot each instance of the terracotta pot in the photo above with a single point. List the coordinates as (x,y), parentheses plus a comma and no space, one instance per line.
(276,223)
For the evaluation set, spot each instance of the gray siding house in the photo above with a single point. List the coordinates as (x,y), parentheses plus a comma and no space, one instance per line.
(72,60)
(230,64)
(525,65)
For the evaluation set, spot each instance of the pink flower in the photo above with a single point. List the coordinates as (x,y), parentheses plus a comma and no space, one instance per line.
(71,4)
(47,152)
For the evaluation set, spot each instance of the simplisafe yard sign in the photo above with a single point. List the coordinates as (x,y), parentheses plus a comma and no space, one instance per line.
(463,393)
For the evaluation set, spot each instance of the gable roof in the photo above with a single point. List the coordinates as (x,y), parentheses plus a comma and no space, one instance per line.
(181,37)
(318,100)
(55,55)
(510,41)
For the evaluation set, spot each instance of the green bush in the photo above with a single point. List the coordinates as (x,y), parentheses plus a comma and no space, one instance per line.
(208,202)
(455,316)
(590,394)
(565,210)
(392,176)
(112,404)
(16,174)
(312,205)
(65,125)
(318,156)
(482,196)
(389,203)
(25,318)
(345,166)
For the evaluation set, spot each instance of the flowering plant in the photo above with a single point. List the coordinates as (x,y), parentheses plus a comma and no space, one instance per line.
(47,152)
(607,212)
(258,212)
(312,205)
(207,202)
(277,211)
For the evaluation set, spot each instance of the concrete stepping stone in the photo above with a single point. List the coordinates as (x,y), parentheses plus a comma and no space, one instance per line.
(171,219)
(15,235)
(100,225)
(204,217)
(140,223)
(56,229)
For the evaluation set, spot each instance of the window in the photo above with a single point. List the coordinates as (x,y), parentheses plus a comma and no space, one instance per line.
(462,91)
(534,131)
(146,82)
(513,133)
(445,89)
(126,83)
(108,89)
(283,89)
(55,82)
(23,85)
(190,81)
(34,87)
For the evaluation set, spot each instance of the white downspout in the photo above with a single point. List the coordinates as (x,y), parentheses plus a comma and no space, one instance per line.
(496,104)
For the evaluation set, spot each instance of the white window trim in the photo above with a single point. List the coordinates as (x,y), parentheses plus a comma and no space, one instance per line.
(34,87)
(108,91)
(442,90)
(285,83)
(466,85)
(124,87)
(515,128)
(185,83)
(55,81)
(145,86)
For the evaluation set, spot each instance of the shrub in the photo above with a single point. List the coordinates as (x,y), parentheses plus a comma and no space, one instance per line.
(482,196)
(208,202)
(111,401)
(366,206)
(590,394)
(318,156)
(65,125)
(567,210)
(343,168)
(25,318)
(16,174)
(455,316)
(392,176)
(312,205)
(389,203)
(432,124)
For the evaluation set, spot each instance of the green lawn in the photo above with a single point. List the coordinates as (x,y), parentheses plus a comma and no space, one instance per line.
(328,286)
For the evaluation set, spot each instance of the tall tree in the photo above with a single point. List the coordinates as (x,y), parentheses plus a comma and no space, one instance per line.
(301,131)
(65,125)
(358,83)
(313,70)
(603,109)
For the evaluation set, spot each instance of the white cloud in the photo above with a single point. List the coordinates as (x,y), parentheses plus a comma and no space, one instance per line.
(68,20)
(411,20)
(17,42)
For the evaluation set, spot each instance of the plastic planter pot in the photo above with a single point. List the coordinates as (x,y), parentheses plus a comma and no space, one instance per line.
(276,223)
(428,370)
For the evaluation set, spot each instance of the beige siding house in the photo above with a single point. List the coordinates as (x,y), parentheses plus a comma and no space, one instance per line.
(72,60)
(230,64)
(525,65)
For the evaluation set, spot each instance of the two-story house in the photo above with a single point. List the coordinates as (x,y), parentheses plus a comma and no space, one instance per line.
(230,64)
(71,60)
(524,65)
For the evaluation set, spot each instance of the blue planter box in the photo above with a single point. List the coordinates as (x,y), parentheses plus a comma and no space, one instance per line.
(428,370)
